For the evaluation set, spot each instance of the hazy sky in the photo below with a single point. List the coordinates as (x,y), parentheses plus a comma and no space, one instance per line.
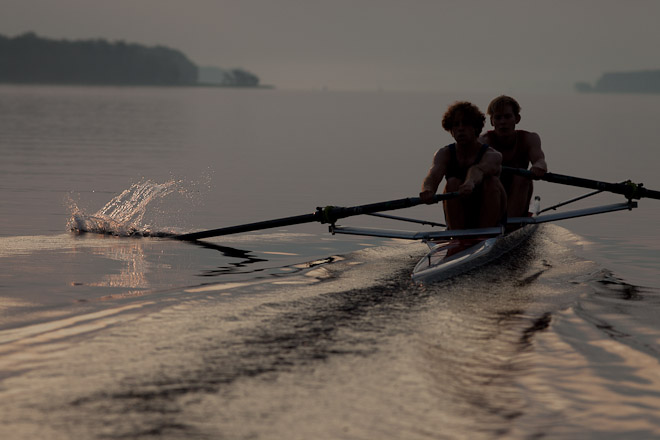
(441,45)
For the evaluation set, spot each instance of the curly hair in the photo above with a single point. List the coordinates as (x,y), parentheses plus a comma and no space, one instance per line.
(470,113)
(502,101)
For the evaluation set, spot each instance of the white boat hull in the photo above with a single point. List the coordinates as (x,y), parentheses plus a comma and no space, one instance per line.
(454,257)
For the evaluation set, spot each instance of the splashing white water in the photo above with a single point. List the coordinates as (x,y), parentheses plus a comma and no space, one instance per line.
(124,214)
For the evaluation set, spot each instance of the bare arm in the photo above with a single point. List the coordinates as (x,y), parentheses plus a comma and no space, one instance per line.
(435,175)
(490,165)
(536,155)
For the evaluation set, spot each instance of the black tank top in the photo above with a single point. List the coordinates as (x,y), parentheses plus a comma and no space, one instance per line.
(514,157)
(455,169)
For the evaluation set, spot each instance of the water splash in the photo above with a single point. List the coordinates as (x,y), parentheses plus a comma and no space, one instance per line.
(124,215)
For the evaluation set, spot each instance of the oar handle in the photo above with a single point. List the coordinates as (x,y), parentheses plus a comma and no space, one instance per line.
(629,189)
(331,214)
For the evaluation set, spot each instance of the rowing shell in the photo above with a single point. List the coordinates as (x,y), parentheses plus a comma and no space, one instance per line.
(450,258)
(453,252)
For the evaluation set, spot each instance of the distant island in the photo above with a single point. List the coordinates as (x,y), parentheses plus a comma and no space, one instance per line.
(30,59)
(644,81)
(211,75)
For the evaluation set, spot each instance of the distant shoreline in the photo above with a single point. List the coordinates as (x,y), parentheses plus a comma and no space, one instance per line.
(31,59)
(640,82)
(170,86)
(226,86)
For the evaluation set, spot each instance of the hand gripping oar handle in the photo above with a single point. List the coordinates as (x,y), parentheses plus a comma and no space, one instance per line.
(328,214)
(629,189)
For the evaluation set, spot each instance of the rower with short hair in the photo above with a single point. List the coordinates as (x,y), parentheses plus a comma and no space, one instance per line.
(519,149)
(471,169)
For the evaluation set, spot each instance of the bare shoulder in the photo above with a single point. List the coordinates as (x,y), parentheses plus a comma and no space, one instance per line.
(442,155)
(530,138)
(484,138)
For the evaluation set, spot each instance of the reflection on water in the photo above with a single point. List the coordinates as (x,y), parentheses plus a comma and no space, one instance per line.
(87,267)
(133,271)
(245,258)
(84,268)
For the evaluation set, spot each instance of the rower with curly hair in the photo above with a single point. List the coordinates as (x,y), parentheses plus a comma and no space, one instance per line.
(470,168)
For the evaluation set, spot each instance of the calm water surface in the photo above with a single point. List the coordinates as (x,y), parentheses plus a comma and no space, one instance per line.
(292,332)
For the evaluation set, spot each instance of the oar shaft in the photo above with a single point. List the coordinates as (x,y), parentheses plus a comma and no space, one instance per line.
(628,189)
(277,223)
(329,214)
(390,205)
(649,193)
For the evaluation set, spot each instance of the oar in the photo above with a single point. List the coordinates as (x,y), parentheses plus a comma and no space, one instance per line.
(329,214)
(629,189)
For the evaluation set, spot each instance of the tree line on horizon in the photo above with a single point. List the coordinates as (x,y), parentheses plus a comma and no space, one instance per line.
(28,58)
(641,81)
